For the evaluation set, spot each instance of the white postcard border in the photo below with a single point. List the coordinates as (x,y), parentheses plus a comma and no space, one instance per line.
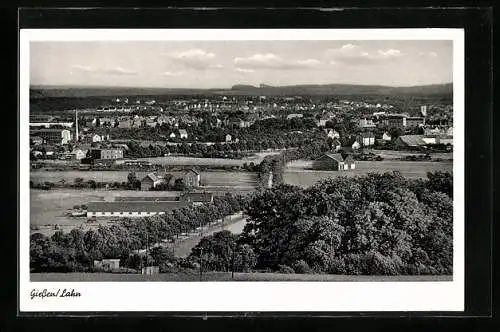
(248,296)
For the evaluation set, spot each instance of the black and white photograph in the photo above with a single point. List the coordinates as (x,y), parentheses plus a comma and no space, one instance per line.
(188,161)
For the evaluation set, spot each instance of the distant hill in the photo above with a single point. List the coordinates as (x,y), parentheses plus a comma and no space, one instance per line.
(291,90)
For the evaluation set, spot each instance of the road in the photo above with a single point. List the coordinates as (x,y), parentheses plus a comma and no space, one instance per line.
(235,225)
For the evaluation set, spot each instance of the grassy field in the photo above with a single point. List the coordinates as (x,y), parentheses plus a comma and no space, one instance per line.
(194,275)
(394,154)
(299,173)
(216,178)
(191,161)
(49,207)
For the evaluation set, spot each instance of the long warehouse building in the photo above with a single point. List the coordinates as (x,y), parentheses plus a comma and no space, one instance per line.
(133,209)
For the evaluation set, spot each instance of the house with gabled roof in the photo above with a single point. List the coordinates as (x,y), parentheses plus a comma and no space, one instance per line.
(191,178)
(334,162)
(151,180)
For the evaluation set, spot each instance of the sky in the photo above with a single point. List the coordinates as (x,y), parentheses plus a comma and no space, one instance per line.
(221,64)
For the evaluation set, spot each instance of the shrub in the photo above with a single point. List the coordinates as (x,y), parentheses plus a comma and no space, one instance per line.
(301,267)
(382,265)
(337,266)
(285,269)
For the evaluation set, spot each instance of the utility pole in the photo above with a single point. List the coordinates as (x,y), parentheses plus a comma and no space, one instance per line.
(147,249)
(232,265)
(201,263)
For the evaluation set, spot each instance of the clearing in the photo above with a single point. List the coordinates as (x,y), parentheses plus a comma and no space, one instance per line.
(300,173)
(193,275)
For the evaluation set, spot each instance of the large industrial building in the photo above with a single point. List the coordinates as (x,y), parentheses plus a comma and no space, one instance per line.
(133,209)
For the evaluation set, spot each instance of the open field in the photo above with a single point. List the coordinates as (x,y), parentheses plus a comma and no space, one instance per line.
(216,178)
(299,172)
(393,154)
(191,161)
(49,207)
(193,275)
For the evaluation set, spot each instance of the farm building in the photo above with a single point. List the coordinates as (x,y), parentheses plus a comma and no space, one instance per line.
(132,209)
(410,141)
(334,162)
(197,198)
(151,180)
(366,139)
(191,178)
(107,264)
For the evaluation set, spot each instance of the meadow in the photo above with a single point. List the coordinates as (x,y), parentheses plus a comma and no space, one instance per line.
(215,178)
(300,173)
(193,275)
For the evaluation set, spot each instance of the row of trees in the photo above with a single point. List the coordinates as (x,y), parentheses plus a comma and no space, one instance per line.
(76,250)
(379,224)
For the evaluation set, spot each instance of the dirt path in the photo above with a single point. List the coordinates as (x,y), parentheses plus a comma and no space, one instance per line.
(183,247)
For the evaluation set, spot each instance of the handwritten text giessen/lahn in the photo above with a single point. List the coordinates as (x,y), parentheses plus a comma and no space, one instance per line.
(55,293)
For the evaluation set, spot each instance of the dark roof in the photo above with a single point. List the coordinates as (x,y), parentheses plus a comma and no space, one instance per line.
(349,159)
(144,206)
(335,156)
(198,197)
(367,135)
(151,176)
(412,140)
(195,171)
(147,199)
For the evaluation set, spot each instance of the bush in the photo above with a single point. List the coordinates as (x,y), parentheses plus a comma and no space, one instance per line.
(285,269)
(301,267)
(337,266)
(372,263)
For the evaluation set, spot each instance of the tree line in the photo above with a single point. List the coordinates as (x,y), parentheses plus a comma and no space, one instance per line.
(378,224)
(77,250)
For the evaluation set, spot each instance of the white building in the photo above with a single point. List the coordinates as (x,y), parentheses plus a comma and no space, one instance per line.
(183,133)
(133,209)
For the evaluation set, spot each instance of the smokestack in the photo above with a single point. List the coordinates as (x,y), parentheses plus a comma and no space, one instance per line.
(76,117)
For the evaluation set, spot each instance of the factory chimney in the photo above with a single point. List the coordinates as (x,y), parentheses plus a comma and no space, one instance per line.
(76,126)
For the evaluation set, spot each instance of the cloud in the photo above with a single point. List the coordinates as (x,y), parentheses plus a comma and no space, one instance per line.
(110,70)
(244,70)
(429,54)
(272,61)
(194,58)
(354,54)
(119,71)
(217,66)
(83,68)
(169,73)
